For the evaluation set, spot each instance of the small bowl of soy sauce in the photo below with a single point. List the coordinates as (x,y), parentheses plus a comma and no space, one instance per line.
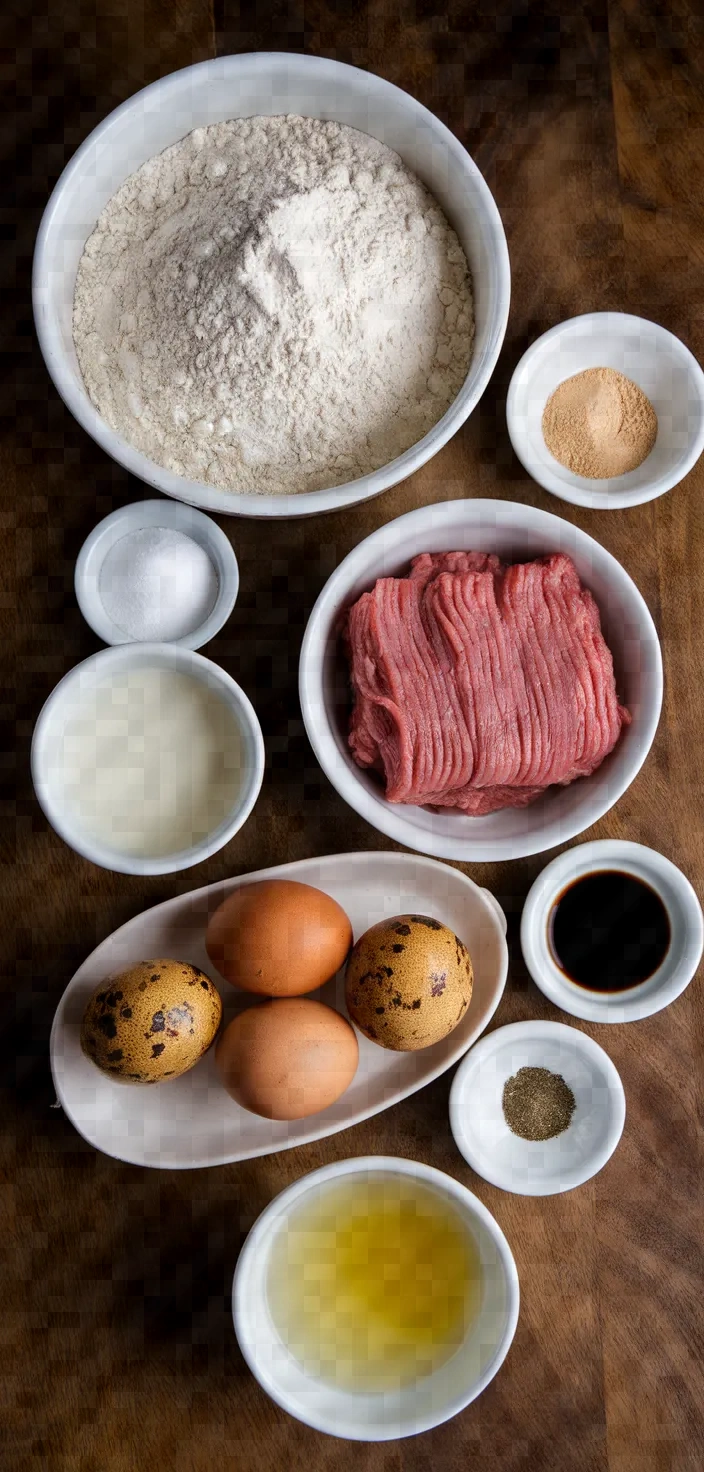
(612,931)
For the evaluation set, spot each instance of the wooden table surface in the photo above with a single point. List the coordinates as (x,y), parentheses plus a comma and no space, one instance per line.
(118,1347)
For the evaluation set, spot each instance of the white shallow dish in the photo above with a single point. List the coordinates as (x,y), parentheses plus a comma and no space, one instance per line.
(653,358)
(537,1167)
(686,926)
(62,704)
(192,1121)
(269,84)
(175,517)
(516,533)
(429,1401)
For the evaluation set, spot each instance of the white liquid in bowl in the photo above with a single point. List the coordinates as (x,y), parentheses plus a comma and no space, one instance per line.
(149,762)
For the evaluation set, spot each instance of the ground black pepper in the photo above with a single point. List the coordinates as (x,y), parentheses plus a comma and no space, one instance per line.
(537,1104)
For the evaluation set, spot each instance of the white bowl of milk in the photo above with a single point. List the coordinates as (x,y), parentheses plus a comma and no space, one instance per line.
(147,758)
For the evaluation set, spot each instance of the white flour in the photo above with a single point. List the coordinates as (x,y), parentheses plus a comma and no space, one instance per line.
(273,305)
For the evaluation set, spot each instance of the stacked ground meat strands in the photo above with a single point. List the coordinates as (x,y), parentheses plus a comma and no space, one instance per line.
(478,685)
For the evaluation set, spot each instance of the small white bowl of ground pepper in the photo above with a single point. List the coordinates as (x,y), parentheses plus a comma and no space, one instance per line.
(607,410)
(537,1108)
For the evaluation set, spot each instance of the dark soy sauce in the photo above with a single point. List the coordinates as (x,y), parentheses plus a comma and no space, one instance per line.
(609,931)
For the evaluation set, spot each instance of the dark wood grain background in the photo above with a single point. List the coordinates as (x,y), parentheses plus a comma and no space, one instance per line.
(118,1350)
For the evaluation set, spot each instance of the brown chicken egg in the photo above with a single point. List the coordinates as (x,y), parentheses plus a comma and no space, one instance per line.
(151,1022)
(278,938)
(287,1058)
(408,982)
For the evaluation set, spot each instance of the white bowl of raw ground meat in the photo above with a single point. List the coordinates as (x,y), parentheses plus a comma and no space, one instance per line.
(505,701)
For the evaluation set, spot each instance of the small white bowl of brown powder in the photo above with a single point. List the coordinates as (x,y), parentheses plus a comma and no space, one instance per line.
(607,410)
(537,1108)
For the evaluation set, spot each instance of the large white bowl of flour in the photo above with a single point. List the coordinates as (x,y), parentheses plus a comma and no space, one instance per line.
(266,85)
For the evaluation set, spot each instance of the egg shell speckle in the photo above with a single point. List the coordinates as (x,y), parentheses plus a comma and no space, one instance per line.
(151,1022)
(408,982)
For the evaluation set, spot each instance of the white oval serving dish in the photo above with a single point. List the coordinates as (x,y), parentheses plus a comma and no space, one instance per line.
(246,85)
(516,532)
(191,1121)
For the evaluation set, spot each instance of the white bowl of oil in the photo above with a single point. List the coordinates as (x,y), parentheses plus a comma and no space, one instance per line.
(375,1298)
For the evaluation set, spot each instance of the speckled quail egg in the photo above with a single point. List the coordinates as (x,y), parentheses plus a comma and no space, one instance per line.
(151,1022)
(408,982)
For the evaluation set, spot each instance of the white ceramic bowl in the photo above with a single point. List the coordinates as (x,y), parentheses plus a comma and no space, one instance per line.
(242,86)
(177,518)
(537,1167)
(514,532)
(686,927)
(653,358)
(46,774)
(387,1416)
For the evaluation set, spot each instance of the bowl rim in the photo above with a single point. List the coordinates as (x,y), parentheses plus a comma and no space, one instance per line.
(174,516)
(389,818)
(600,497)
(212,498)
(173,656)
(460,1095)
(259,1239)
(631,1006)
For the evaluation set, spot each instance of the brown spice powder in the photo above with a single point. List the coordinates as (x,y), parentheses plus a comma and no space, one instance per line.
(599,424)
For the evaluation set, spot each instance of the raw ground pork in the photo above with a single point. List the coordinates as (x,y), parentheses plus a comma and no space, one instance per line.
(477,684)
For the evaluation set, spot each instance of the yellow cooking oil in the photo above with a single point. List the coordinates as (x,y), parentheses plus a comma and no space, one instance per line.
(374,1282)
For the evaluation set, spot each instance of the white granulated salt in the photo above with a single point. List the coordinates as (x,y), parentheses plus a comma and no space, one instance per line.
(157,583)
(273,305)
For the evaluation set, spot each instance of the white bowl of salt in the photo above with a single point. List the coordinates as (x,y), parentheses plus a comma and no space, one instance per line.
(157,571)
